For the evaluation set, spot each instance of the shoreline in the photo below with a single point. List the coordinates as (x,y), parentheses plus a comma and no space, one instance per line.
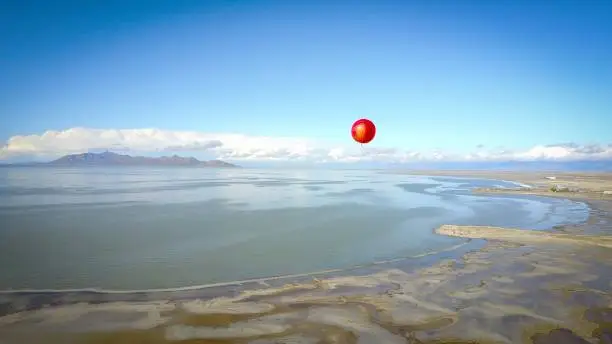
(510,285)
(522,236)
(289,277)
(236,282)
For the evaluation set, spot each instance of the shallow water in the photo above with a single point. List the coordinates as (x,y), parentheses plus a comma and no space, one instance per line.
(135,228)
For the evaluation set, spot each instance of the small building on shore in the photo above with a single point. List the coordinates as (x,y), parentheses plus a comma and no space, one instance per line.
(563,188)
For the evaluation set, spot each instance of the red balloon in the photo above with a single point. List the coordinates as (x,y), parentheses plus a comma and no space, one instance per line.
(363,130)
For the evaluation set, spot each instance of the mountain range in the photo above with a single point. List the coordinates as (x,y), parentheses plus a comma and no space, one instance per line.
(114,159)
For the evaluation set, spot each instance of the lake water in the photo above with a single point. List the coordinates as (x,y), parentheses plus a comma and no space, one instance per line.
(135,228)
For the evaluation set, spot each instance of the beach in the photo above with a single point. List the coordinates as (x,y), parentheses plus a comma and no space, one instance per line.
(502,285)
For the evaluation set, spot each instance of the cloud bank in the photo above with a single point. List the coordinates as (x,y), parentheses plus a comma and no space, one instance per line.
(238,147)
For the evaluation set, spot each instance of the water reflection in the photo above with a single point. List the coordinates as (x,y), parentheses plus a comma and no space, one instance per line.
(138,228)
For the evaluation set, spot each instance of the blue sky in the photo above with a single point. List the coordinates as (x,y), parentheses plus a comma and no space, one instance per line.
(435,76)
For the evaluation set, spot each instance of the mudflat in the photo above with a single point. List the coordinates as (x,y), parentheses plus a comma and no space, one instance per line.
(517,286)
(587,185)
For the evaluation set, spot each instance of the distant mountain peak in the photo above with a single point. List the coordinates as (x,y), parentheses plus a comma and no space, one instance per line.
(114,159)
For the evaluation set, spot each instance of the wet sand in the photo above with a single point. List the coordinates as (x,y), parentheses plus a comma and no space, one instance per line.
(523,236)
(518,286)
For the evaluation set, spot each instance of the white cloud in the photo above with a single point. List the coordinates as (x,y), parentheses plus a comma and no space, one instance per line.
(51,144)
(570,151)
